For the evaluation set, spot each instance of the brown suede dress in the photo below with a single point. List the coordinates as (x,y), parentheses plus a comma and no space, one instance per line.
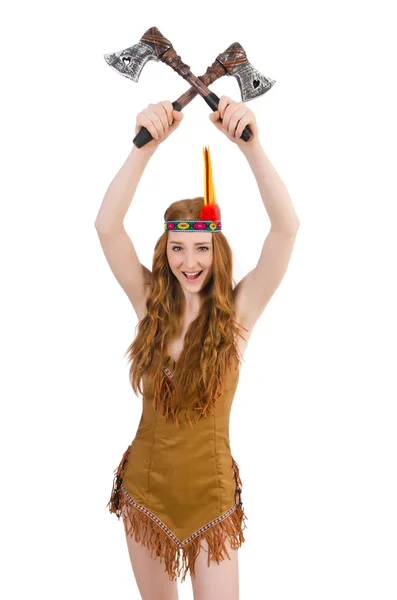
(175,487)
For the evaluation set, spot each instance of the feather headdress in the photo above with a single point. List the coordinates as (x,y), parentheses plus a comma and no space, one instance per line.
(210,212)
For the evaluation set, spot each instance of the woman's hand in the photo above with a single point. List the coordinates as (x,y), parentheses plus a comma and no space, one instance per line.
(235,117)
(160,120)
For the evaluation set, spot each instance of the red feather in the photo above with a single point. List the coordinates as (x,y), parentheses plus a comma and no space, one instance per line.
(210,213)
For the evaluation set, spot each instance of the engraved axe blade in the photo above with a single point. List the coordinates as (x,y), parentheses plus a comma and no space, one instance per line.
(251,82)
(130,61)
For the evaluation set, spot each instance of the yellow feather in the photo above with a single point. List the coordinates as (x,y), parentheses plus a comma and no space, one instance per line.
(209,190)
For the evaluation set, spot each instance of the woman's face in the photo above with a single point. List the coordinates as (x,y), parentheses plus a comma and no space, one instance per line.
(190,252)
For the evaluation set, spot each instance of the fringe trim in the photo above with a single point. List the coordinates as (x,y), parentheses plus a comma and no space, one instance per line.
(163,396)
(179,557)
(164,401)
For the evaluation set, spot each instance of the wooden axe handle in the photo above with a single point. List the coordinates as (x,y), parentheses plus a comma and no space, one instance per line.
(214,72)
(171,58)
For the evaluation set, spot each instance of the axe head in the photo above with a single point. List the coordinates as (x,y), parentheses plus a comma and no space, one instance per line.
(130,61)
(252,83)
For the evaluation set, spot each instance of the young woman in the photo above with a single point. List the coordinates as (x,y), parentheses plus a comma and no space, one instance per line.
(177,486)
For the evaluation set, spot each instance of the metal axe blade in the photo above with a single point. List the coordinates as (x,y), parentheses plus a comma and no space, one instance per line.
(251,82)
(130,61)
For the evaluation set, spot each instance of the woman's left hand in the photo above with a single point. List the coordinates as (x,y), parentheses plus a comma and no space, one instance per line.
(231,118)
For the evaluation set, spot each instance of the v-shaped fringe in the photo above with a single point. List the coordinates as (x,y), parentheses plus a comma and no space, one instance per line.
(179,557)
(164,400)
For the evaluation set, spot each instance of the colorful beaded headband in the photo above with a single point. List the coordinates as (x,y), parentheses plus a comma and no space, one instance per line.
(209,213)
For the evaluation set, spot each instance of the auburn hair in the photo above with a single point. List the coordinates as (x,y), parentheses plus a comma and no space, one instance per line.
(210,342)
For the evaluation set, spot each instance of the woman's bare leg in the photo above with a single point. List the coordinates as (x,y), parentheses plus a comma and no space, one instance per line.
(152,580)
(218,581)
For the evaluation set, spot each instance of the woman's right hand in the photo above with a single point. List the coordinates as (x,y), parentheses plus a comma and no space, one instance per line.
(160,120)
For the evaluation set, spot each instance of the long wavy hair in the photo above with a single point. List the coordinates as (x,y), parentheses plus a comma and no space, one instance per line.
(210,342)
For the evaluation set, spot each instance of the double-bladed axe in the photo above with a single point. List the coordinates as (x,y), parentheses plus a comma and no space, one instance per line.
(154,46)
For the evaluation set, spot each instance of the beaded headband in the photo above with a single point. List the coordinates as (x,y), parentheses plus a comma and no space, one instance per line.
(210,212)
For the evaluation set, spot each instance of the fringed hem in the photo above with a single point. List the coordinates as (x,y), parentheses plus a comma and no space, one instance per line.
(180,557)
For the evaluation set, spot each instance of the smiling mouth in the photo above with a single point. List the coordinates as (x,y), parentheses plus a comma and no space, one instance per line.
(192,277)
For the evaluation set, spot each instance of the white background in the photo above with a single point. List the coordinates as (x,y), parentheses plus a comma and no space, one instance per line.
(313,424)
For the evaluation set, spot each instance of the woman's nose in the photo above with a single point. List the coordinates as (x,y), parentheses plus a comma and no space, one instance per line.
(190,261)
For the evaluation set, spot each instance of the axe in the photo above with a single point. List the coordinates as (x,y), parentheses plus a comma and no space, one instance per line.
(154,46)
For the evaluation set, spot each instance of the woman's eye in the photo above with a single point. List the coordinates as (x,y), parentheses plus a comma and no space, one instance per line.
(205,247)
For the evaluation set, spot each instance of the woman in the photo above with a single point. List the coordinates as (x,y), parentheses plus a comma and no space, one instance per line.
(177,486)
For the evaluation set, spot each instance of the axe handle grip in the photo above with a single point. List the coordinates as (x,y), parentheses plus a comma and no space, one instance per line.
(213,102)
(144,136)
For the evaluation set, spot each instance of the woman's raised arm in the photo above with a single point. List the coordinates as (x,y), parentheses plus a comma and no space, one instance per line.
(161,120)
(254,291)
